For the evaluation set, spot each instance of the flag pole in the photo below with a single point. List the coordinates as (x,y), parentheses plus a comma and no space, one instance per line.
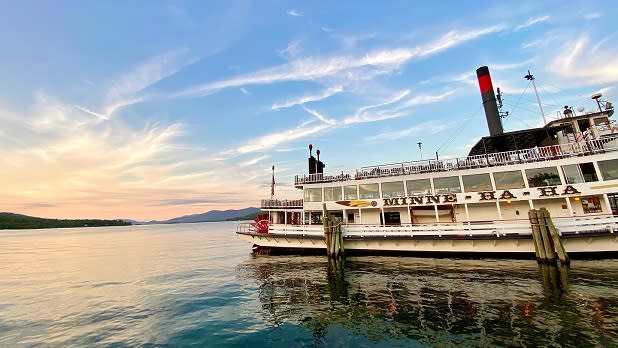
(272,184)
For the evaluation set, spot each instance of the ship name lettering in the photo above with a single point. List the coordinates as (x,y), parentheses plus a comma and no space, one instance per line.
(548,191)
(433,199)
(569,190)
(416,200)
(487,196)
(507,195)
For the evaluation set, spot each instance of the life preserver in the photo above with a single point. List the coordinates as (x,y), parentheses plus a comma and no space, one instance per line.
(261,226)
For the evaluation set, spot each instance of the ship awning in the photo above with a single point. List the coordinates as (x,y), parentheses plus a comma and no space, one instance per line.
(516,140)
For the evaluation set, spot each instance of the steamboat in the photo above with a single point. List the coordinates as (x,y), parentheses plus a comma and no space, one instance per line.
(473,205)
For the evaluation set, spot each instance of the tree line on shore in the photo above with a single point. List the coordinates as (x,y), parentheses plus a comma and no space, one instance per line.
(10,221)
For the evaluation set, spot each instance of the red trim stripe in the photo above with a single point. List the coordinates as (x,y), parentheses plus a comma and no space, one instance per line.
(485,83)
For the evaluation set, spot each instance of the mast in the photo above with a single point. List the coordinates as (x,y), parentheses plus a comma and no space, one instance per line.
(530,77)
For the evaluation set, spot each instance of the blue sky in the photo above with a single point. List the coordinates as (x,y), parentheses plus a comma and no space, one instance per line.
(153,109)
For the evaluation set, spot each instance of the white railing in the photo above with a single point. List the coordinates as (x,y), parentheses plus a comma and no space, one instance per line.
(282,203)
(497,228)
(606,144)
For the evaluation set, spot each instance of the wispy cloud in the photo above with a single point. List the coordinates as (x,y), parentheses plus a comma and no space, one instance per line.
(391,100)
(531,21)
(320,117)
(254,161)
(329,92)
(294,13)
(327,29)
(269,141)
(291,51)
(245,91)
(315,68)
(394,107)
(587,63)
(426,128)
(593,15)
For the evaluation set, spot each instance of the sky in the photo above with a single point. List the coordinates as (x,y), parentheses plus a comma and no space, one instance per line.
(156,109)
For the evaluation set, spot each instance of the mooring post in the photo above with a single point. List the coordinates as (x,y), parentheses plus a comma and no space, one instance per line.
(548,244)
(327,230)
(536,236)
(557,242)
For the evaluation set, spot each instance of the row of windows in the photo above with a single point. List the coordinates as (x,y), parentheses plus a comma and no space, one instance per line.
(536,177)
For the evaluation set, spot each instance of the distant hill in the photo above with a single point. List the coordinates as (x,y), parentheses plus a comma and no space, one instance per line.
(11,221)
(212,216)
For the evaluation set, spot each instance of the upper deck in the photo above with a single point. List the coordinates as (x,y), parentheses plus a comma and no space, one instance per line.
(608,143)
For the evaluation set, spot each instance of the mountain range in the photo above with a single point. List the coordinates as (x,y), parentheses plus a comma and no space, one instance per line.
(210,216)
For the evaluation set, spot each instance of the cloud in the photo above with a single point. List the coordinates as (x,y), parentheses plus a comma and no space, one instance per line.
(586,63)
(270,141)
(314,68)
(294,13)
(423,128)
(253,161)
(320,117)
(327,29)
(124,90)
(291,51)
(329,92)
(530,22)
(394,107)
(593,15)
(245,91)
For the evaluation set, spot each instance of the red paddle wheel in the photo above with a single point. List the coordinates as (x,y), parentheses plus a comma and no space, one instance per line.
(261,223)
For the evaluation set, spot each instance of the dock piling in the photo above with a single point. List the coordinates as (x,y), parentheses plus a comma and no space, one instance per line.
(547,242)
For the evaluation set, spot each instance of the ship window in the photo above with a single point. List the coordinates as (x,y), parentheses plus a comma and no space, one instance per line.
(577,173)
(392,189)
(328,194)
(538,177)
(349,192)
(418,187)
(476,183)
(449,184)
(609,169)
(332,194)
(591,205)
(391,218)
(368,191)
(337,193)
(350,217)
(313,195)
(509,180)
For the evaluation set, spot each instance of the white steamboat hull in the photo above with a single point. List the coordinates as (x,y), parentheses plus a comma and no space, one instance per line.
(579,244)
(579,236)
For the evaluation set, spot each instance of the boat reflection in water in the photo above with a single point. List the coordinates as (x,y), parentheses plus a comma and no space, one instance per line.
(403,301)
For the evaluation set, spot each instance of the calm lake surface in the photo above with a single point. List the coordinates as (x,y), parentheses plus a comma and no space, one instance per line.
(198,285)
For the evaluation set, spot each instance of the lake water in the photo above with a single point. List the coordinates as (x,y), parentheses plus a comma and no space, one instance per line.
(198,285)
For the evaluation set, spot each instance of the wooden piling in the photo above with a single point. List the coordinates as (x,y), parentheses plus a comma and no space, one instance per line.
(548,245)
(536,236)
(557,242)
(327,230)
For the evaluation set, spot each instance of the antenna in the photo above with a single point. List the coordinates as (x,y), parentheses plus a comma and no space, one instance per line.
(530,77)
(502,114)
(597,98)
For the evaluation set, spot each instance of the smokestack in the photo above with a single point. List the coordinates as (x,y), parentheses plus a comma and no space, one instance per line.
(312,162)
(489,101)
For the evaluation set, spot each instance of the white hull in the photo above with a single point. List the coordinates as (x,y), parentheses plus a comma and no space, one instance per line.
(578,235)
(597,244)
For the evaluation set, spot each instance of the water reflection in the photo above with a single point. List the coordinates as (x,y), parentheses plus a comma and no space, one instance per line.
(441,301)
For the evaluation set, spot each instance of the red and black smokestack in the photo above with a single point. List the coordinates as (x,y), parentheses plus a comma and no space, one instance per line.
(489,101)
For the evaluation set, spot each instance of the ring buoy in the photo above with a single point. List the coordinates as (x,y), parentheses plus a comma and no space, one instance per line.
(261,226)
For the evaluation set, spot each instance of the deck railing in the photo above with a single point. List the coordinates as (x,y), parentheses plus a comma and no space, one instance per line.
(282,203)
(545,153)
(565,226)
